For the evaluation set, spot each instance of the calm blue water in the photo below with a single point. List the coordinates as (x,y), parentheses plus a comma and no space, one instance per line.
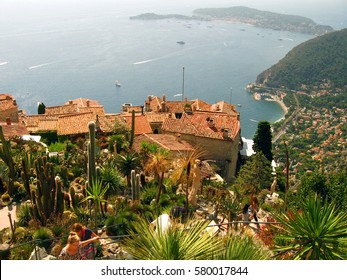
(54,57)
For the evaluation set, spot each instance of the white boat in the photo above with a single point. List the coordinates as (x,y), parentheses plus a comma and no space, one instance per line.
(117,83)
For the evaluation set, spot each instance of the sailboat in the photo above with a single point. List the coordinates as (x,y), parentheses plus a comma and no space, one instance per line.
(117,83)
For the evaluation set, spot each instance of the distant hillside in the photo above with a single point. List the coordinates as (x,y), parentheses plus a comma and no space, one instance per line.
(153,16)
(321,58)
(266,19)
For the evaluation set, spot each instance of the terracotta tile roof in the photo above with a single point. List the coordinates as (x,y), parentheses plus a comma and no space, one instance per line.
(60,110)
(166,141)
(155,104)
(74,124)
(205,124)
(141,123)
(83,102)
(157,117)
(96,110)
(199,105)
(224,107)
(15,129)
(36,123)
(7,104)
(106,122)
(5,96)
(48,125)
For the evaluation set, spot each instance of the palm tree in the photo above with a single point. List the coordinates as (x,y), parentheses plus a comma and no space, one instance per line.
(318,232)
(158,164)
(191,243)
(126,163)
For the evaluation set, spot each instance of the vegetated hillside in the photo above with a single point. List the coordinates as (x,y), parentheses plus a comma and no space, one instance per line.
(266,19)
(321,58)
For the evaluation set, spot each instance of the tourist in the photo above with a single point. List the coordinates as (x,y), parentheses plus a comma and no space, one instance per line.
(245,214)
(74,247)
(84,234)
(254,207)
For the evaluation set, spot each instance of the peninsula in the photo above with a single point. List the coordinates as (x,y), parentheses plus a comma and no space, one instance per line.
(240,14)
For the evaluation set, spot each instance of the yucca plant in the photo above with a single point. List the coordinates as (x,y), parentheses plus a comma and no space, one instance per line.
(318,232)
(244,247)
(95,193)
(176,243)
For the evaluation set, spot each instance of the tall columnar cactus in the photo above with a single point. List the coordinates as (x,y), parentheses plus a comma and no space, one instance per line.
(25,177)
(5,155)
(48,198)
(64,177)
(135,185)
(91,153)
(138,179)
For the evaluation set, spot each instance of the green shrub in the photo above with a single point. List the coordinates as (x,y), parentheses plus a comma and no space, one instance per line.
(45,236)
(56,147)
(111,226)
(22,252)
(24,215)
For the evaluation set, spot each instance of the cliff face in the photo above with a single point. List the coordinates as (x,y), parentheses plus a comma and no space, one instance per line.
(321,58)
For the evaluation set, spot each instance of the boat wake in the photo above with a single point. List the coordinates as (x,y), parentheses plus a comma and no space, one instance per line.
(3,63)
(145,61)
(253,120)
(40,65)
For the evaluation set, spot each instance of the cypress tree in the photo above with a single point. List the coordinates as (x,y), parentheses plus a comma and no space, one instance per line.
(263,140)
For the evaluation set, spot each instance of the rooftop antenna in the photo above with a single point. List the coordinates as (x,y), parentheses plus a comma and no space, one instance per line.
(183,85)
(231,93)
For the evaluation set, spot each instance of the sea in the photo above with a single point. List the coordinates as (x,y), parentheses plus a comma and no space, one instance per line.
(55,51)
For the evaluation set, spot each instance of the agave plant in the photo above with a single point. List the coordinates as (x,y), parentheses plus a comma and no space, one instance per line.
(318,232)
(176,243)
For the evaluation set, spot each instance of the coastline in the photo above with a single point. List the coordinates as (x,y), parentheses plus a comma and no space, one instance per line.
(273,98)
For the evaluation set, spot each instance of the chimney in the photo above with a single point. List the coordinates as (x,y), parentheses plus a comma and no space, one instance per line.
(164,97)
(88,103)
(8,121)
(149,97)
(70,102)
(163,106)
(14,102)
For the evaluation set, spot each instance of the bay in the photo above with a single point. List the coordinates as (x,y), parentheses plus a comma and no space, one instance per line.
(53,58)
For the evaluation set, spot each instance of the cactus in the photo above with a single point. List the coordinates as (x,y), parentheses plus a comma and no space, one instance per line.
(5,155)
(91,153)
(48,198)
(64,177)
(135,185)
(25,178)
(138,177)
(73,196)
